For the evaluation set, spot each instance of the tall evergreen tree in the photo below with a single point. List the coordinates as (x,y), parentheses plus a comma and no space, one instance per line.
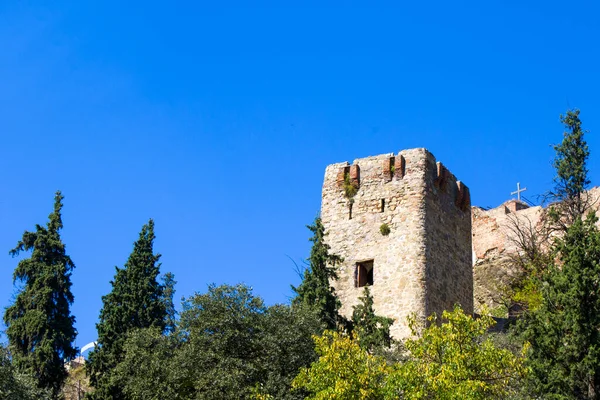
(564,331)
(168,294)
(571,181)
(315,290)
(136,301)
(373,330)
(40,327)
(569,202)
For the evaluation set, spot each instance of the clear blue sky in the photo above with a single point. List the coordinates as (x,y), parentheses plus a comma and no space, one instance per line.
(218,121)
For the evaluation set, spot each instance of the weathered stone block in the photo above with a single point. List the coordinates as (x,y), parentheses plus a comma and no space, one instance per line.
(399,166)
(442,176)
(355,175)
(388,167)
(341,176)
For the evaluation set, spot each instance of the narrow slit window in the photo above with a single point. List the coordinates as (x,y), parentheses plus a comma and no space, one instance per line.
(382,205)
(364,273)
(350,211)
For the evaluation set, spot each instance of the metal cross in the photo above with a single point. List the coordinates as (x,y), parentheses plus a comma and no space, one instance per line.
(518,191)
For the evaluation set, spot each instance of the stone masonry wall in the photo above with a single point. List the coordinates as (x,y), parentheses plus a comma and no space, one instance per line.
(448,241)
(424,264)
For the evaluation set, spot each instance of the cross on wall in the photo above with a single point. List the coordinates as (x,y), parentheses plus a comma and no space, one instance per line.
(518,191)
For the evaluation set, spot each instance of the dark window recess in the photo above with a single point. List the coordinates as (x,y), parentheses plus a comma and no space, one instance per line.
(382,205)
(364,274)
(350,211)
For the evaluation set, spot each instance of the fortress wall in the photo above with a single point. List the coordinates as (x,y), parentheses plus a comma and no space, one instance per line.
(448,241)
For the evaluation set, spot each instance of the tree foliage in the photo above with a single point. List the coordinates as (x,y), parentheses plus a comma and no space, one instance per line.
(40,327)
(536,244)
(455,360)
(222,331)
(288,347)
(315,290)
(571,181)
(227,344)
(373,331)
(15,385)
(149,369)
(564,330)
(344,371)
(169,283)
(136,301)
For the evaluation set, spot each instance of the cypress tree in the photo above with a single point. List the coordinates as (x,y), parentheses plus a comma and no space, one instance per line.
(373,330)
(315,289)
(571,181)
(136,301)
(564,331)
(569,202)
(40,327)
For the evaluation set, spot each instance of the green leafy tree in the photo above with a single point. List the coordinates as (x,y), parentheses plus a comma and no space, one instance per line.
(315,290)
(344,371)
(455,360)
(150,368)
(227,344)
(40,327)
(373,331)
(288,346)
(222,329)
(236,344)
(136,301)
(564,331)
(15,385)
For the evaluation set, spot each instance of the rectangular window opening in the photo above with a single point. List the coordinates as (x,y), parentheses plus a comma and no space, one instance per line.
(350,211)
(382,205)
(364,273)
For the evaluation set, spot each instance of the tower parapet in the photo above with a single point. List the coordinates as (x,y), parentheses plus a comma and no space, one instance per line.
(423,265)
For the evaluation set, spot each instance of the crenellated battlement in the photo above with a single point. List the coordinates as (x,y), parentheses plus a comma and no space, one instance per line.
(390,169)
(424,264)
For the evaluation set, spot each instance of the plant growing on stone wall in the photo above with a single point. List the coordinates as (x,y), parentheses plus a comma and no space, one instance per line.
(349,189)
(385,229)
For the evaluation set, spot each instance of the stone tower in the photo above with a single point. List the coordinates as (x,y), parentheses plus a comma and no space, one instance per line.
(424,264)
